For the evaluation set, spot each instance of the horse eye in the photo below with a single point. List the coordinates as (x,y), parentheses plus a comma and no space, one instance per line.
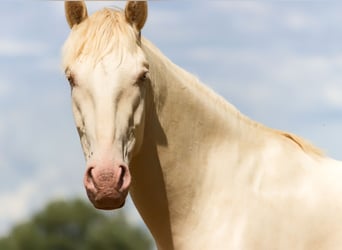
(71,79)
(144,76)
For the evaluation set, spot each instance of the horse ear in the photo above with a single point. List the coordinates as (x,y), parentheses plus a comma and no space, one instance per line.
(136,13)
(75,12)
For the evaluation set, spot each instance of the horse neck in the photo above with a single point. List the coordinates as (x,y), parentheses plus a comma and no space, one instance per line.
(185,125)
(193,120)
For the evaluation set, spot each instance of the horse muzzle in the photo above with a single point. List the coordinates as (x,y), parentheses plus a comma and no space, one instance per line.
(107,186)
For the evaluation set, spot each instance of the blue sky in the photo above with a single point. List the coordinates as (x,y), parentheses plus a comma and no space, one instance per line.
(279,62)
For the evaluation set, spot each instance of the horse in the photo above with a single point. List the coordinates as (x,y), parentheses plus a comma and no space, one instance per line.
(201,174)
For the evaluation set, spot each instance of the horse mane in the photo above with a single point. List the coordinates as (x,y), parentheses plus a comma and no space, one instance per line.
(100,34)
(303,144)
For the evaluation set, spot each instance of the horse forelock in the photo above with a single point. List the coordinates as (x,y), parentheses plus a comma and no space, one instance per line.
(103,33)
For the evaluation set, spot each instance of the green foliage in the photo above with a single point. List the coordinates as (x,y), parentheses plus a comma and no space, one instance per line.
(75,225)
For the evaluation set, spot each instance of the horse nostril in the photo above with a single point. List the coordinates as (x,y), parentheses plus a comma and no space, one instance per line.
(89,183)
(89,174)
(122,175)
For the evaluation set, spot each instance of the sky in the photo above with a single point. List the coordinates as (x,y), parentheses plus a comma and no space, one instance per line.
(279,62)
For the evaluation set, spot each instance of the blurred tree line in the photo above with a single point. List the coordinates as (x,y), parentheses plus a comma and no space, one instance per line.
(76,225)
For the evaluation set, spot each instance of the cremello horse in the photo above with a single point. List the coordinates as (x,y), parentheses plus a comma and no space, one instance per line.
(202,175)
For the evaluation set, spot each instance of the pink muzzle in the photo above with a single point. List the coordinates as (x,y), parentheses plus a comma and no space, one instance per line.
(107,186)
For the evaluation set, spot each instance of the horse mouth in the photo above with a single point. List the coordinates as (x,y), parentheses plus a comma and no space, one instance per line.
(108,202)
(107,188)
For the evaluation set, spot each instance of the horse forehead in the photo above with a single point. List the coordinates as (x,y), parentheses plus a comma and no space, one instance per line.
(107,78)
(125,69)
(109,66)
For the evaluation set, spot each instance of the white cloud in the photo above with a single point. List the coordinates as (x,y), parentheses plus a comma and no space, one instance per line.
(5,87)
(14,47)
(14,205)
(51,65)
(333,95)
(251,7)
(299,21)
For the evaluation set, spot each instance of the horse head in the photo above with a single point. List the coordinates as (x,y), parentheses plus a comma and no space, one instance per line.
(108,73)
